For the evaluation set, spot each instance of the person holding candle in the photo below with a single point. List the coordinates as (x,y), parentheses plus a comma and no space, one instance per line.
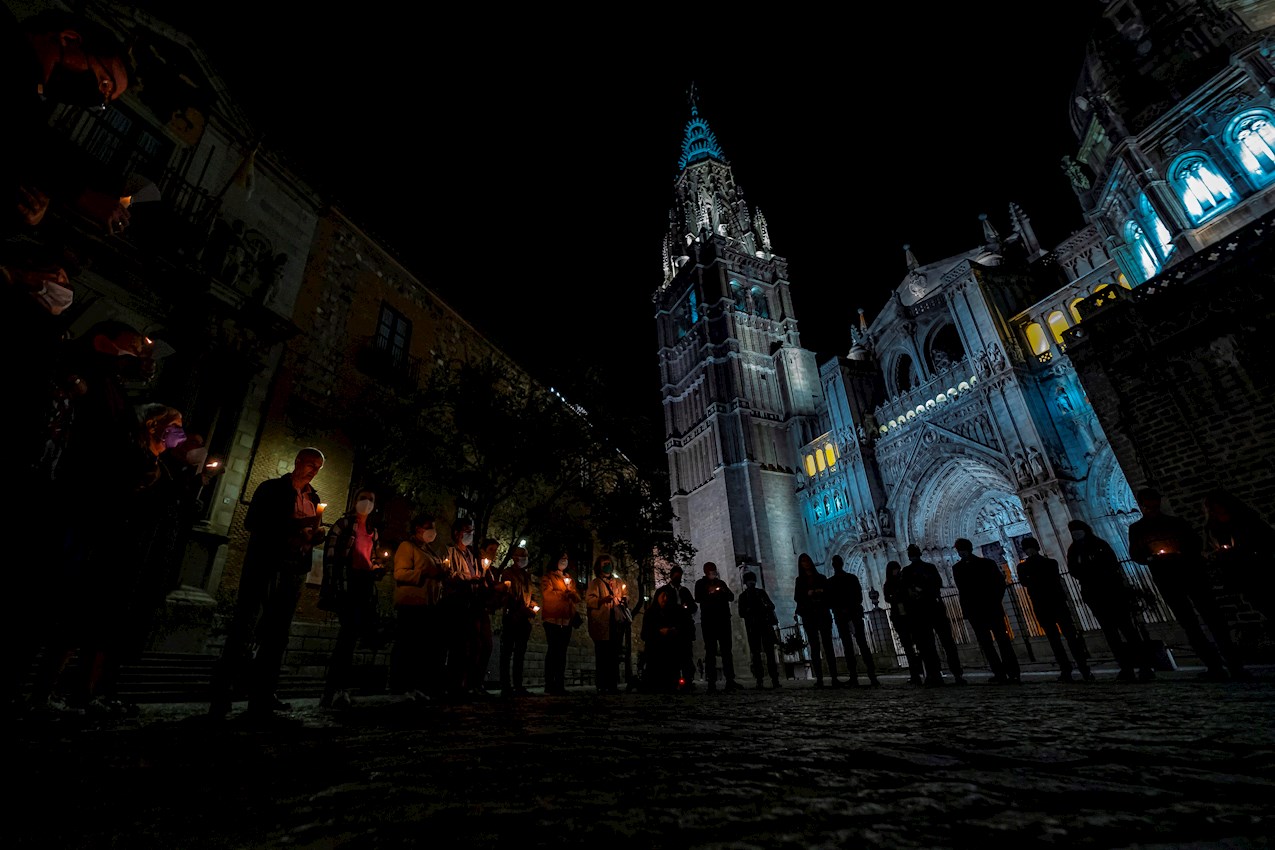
(602,598)
(559,597)
(492,593)
(352,564)
(466,599)
(1242,544)
(665,624)
(416,661)
(283,527)
(713,596)
(515,624)
(687,635)
(1172,550)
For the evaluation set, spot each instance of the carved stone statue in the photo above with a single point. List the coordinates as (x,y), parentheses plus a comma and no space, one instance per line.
(1038,463)
(883,521)
(1022,470)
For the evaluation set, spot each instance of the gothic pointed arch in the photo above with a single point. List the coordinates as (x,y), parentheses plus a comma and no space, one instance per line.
(958,493)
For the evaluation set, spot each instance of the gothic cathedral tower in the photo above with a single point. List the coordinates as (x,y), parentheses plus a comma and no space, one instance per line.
(740,393)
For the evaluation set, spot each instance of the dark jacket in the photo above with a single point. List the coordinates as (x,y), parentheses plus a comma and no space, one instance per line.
(714,597)
(981,586)
(338,550)
(1043,581)
(1094,564)
(756,609)
(811,595)
(845,594)
(276,541)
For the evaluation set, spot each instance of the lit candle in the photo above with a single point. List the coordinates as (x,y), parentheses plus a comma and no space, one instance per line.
(623,586)
(535,609)
(486,563)
(319,510)
(125,201)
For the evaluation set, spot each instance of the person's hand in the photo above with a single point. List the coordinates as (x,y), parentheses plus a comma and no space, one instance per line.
(32,205)
(104,210)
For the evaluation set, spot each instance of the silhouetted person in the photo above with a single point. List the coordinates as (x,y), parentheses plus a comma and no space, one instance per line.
(810,592)
(665,623)
(1242,544)
(1093,563)
(982,586)
(352,565)
(845,599)
(757,610)
(284,526)
(895,596)
(686,599)
(1172,550)
(714,597)
(928,618)
(1041,577)
(515,624)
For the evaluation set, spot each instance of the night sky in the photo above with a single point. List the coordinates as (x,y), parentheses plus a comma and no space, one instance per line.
(523,168)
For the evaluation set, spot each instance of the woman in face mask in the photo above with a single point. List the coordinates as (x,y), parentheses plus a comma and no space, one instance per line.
(559,596)
(352,564)
(416,661)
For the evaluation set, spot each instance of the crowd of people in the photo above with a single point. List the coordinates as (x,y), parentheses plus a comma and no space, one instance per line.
(114,476)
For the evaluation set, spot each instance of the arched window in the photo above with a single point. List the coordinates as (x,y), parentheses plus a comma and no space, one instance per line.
(1036,339)
(760,304)
(1057,324)
(694,308)
(904,377)
(819,460)
(1203,191)
(1253,138)
(810,466)
(830,455)
(1141,245)
(1075,311)
(945,348)
(737,294)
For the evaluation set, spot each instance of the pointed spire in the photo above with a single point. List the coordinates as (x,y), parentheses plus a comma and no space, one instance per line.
(1023,227)
(859,339)
(698,142)
(989,230)
(913,265)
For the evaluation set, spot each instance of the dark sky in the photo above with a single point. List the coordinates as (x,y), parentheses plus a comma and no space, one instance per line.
(523,168)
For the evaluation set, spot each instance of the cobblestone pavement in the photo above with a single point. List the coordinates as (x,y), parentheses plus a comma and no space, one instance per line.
(1173,763)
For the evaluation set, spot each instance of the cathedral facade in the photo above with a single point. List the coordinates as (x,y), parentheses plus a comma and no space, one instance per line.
(957,411)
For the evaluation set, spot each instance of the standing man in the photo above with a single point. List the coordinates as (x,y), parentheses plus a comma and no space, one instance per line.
(845,598)
(982,586)
(757,610)
(714,597)
(923,587)
(515,625)
(686,599)
(1092,562)
(1172,549)
(1049,600)
(284,526)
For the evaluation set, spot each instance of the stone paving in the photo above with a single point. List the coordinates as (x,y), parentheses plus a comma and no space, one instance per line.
(1173,763)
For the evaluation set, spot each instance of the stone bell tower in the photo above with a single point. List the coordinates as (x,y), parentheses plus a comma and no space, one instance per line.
(740,394)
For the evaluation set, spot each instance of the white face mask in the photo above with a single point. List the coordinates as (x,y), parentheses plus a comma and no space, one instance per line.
(467,538)
(429,536)
(54,297)
(521,562)
(363,507)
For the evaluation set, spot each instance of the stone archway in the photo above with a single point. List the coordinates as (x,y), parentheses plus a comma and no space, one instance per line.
(959,495)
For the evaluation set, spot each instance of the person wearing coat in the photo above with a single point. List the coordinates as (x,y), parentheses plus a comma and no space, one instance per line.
(810,592)
(602,597)
(418,659)
(1093,563)
(558,598)
(352,565)
(982,587)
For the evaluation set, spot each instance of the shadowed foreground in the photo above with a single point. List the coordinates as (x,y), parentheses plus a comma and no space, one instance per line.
(1175,762)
